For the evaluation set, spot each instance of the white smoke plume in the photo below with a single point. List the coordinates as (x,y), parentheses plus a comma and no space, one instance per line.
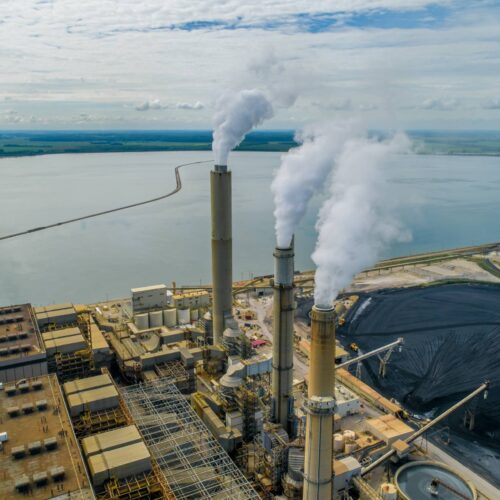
(359,219)
(302,173)
(282,82)
(237,113)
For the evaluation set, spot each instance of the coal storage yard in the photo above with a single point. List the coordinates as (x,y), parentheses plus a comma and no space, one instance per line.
(451,345)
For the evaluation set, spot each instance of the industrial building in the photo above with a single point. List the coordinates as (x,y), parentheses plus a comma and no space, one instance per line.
(74,344)
(200,406)
(22,352)
(192,300)
(138,351)
(55,315)
(40,455)
(149,297)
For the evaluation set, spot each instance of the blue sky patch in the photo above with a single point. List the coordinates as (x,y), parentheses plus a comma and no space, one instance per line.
(430,17)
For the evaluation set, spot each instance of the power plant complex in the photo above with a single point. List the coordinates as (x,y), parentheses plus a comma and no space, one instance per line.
(216,392)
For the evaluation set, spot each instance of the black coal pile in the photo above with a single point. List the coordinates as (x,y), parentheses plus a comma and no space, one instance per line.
(452,345)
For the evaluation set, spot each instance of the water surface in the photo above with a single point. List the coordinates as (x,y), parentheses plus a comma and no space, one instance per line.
(448,201)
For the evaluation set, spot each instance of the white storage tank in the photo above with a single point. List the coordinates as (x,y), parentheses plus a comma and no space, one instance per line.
(183,316)
(155,319)
(194,315)
(338,443)
(142,321)
(349,435)
(350,447)
(170,317)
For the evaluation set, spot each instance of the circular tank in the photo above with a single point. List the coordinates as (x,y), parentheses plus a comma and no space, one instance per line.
(350,447)
(338,442)
(349,435)
(388,491)
(194,315)
(170,317)
(183,316)
(155,319)
(431,480)
(142,321)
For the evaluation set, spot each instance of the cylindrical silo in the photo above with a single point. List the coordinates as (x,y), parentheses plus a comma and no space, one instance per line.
(194,315)
(349,435)
(350,447)
(155,319)
(170,317)
(142,321)
(320,406)
(183,316)
(338,443)
(222,264)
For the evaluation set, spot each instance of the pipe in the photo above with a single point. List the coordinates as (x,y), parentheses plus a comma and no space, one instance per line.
(320,406)
(425,428)
(222,262)
(283,316)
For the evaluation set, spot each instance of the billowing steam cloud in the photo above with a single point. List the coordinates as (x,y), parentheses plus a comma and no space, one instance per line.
(237,113)
(282,84)
(358,220)
(302,173)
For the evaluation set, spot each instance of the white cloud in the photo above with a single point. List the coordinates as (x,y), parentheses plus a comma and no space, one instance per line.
(59,59)
(12,116)
(186,105)
(112,17)
(155,104)
(440,104)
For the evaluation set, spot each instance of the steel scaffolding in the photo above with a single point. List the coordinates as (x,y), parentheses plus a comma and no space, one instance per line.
(183,378)
(194,464)
(94,422)
(71,366)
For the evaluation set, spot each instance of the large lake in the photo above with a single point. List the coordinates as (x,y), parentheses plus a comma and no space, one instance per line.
(447,201)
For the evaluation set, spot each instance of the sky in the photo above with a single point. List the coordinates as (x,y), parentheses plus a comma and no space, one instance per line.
(162,64)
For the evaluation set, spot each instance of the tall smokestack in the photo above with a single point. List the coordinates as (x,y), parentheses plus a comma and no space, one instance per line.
(284,305)
(222,255)
(320,406)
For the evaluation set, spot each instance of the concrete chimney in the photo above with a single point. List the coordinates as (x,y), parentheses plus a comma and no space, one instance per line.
(222,243)
(283,315)
(320,406)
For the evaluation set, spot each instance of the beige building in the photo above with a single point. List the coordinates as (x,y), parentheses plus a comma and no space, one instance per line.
(22,353)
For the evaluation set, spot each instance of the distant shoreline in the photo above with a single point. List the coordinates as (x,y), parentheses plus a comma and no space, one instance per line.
(36,143)
(55,153)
